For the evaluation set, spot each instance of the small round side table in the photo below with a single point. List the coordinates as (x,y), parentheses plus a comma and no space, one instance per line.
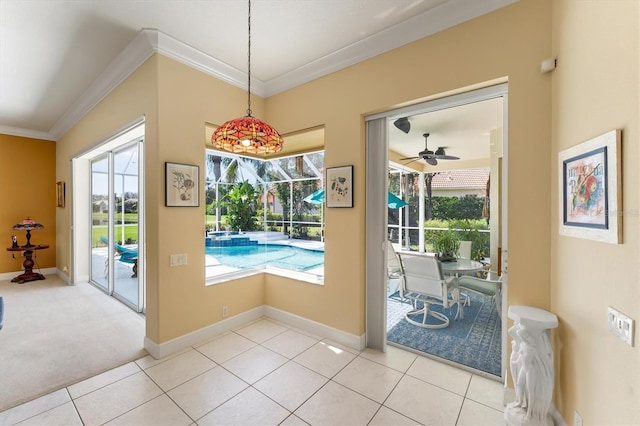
(28,264)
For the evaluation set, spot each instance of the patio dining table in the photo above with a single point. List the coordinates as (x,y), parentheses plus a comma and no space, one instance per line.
(456,268)
(461,267)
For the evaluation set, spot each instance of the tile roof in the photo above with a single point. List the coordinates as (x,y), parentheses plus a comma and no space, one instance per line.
(461,179)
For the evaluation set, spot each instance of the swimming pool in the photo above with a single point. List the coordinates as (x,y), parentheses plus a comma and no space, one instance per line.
(282,256)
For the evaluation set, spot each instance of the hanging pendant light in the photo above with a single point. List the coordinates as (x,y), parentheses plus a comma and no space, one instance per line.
(247,134)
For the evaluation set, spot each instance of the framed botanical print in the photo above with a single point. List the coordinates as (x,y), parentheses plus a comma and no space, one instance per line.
(182,183)
(339,184)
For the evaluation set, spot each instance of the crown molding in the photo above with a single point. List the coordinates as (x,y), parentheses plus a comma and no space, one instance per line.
(134,55)
(194,58)
(145,44)
(446,15)
(26,133)
(150,41)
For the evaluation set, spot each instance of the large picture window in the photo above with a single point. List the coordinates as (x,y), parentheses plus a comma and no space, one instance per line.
(260,214)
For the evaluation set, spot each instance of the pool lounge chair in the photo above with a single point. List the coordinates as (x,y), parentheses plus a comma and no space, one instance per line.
(124,255)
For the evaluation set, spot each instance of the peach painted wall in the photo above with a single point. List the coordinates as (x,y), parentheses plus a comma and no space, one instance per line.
(27,189)
(595,89)
(589,97)
(485,50)
(136,97)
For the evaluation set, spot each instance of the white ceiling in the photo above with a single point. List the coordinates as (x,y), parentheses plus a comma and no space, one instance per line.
(57,57)
(463,130)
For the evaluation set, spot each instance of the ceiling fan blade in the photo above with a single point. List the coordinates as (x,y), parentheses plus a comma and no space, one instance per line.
(431,160)
(410,158)
(413,160)
(442,155)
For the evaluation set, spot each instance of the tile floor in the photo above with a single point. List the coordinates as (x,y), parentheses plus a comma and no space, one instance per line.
(267,373)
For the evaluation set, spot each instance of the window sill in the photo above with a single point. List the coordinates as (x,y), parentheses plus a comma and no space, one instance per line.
(232,276)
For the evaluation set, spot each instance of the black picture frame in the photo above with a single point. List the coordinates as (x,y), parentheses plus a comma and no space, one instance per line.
(339,187)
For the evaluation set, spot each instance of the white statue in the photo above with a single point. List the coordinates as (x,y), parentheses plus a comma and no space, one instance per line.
(531,365)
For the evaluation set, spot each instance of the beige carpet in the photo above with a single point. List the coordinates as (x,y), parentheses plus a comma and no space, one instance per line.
(55,335)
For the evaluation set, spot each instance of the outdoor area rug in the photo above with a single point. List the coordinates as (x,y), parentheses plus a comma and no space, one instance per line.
(475,341)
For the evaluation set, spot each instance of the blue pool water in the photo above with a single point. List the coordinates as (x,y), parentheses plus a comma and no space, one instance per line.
(282,256)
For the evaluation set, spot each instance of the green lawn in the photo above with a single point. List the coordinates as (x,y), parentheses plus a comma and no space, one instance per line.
(130,232)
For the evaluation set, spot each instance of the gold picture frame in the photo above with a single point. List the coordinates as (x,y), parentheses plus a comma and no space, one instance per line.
(60,194)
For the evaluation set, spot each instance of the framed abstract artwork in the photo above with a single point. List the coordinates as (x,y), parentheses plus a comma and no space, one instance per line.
(182,183)
(339,184)
(590,189)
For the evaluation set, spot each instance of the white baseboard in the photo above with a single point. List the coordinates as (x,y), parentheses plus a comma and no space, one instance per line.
(327,332)
(64,277)
(172,346)
(43,271)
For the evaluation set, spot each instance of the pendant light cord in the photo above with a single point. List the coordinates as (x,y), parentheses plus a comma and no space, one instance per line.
(249,64)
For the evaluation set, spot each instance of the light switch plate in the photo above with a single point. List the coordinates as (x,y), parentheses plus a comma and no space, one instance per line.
(178,259)
(621,325)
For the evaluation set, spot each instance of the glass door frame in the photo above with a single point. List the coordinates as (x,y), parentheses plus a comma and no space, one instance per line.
(377,215)
(112,287)
(81,218)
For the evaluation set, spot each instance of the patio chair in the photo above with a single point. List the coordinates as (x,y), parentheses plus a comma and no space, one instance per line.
(464,252)
(394,269)
(490,288)
(123,254)
(424,283)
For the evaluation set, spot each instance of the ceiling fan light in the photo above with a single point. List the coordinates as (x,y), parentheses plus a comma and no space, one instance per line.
(403,124)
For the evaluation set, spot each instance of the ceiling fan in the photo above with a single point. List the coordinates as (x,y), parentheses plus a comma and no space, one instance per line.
(432,157)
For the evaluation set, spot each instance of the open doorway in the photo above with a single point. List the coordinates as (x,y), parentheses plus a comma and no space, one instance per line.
(464,136)
(108,217)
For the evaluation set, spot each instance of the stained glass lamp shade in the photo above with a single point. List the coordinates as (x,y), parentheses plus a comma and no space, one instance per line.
(247,134)
(27,225)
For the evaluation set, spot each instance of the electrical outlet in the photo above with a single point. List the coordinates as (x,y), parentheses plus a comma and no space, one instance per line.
(225,311)
(577,419)
(620,325)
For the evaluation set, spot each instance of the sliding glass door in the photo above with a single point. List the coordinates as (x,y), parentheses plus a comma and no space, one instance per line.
(116,265)
(125,224)
(100,222)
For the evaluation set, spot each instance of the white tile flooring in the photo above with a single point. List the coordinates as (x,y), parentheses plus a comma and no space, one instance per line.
(267,373)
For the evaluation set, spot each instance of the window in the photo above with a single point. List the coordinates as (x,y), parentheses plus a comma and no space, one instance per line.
(257,217)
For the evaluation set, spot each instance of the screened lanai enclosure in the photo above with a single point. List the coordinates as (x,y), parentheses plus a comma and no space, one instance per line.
(257,215)
(437,203)
(249,194)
